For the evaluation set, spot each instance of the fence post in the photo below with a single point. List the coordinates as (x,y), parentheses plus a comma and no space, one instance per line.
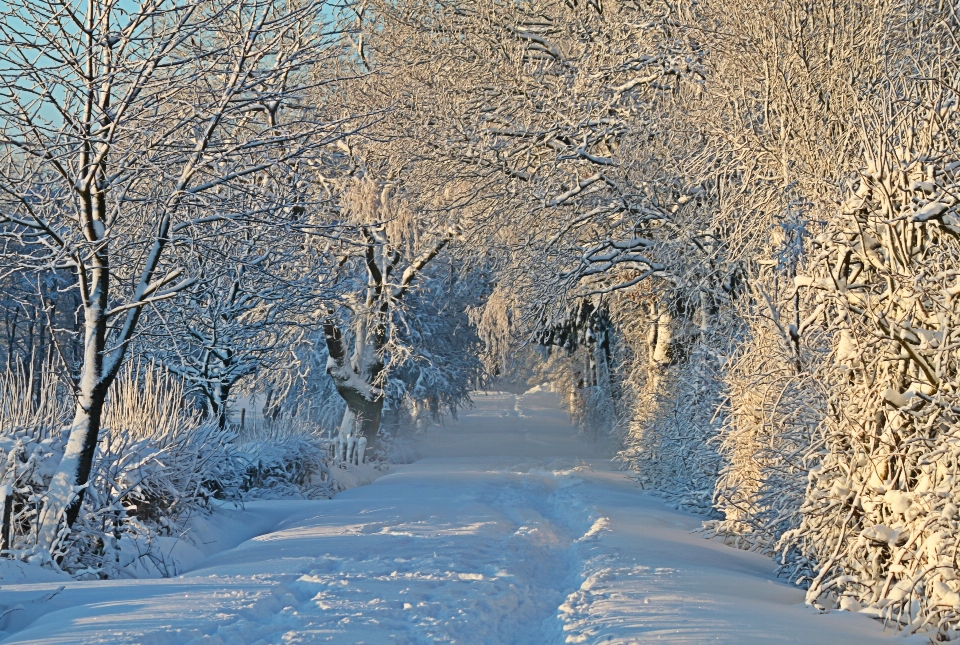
(6,498)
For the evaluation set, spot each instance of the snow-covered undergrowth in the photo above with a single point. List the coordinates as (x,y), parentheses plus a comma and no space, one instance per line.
(880,515)
(159,469)
(287,461)
(670,430)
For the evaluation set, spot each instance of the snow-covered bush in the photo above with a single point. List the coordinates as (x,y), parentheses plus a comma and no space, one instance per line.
(434,354)
(158,465)
(881,506)
(287,459)
(667,397)
(671,431)
(771,430)
(31,417)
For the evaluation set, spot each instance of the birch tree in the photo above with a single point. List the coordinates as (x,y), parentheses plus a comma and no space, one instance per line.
(122,127)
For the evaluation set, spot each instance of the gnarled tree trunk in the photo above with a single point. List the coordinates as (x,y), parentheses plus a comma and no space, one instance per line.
(356,378)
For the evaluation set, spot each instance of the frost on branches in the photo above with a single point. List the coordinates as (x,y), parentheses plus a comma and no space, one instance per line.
(880,515)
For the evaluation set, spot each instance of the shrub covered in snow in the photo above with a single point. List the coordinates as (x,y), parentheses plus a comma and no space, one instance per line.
(158,465)
(880,514)
(286,460)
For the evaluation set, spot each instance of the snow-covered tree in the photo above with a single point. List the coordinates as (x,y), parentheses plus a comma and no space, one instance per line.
(124,130)
(376,273)
(256,291)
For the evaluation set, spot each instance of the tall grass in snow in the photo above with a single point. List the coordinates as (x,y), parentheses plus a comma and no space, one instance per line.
(158,465)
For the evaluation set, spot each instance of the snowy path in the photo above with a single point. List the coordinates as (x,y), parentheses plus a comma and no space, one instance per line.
(544,546)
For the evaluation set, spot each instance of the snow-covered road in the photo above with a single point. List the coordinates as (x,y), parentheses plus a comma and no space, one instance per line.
(527,537)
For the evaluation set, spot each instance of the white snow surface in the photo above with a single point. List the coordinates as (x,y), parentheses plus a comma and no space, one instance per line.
(510,529)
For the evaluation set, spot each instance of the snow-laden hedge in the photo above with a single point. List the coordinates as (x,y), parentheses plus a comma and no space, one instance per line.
(671,427)
(157,465)
(880,516)
(837,421)
(287,461)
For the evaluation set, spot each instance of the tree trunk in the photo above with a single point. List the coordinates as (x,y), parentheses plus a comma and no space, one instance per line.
(661,339)
(357,376)
(66,491)
(216,403)
(363,414)
(65,494)
(362,418)
(354,381)
(77,462)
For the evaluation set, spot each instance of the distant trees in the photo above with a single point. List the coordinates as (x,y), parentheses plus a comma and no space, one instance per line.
(573,121)
(38,320)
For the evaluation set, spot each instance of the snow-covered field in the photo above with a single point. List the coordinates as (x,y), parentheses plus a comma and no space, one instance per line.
(509,530)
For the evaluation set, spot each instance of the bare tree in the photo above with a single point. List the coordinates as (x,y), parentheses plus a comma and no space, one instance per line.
(256,294)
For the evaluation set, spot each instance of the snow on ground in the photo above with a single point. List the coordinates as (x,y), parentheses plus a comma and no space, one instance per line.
(509,530)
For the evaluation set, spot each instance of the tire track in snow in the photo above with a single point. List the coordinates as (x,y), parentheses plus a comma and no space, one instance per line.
(495,581)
